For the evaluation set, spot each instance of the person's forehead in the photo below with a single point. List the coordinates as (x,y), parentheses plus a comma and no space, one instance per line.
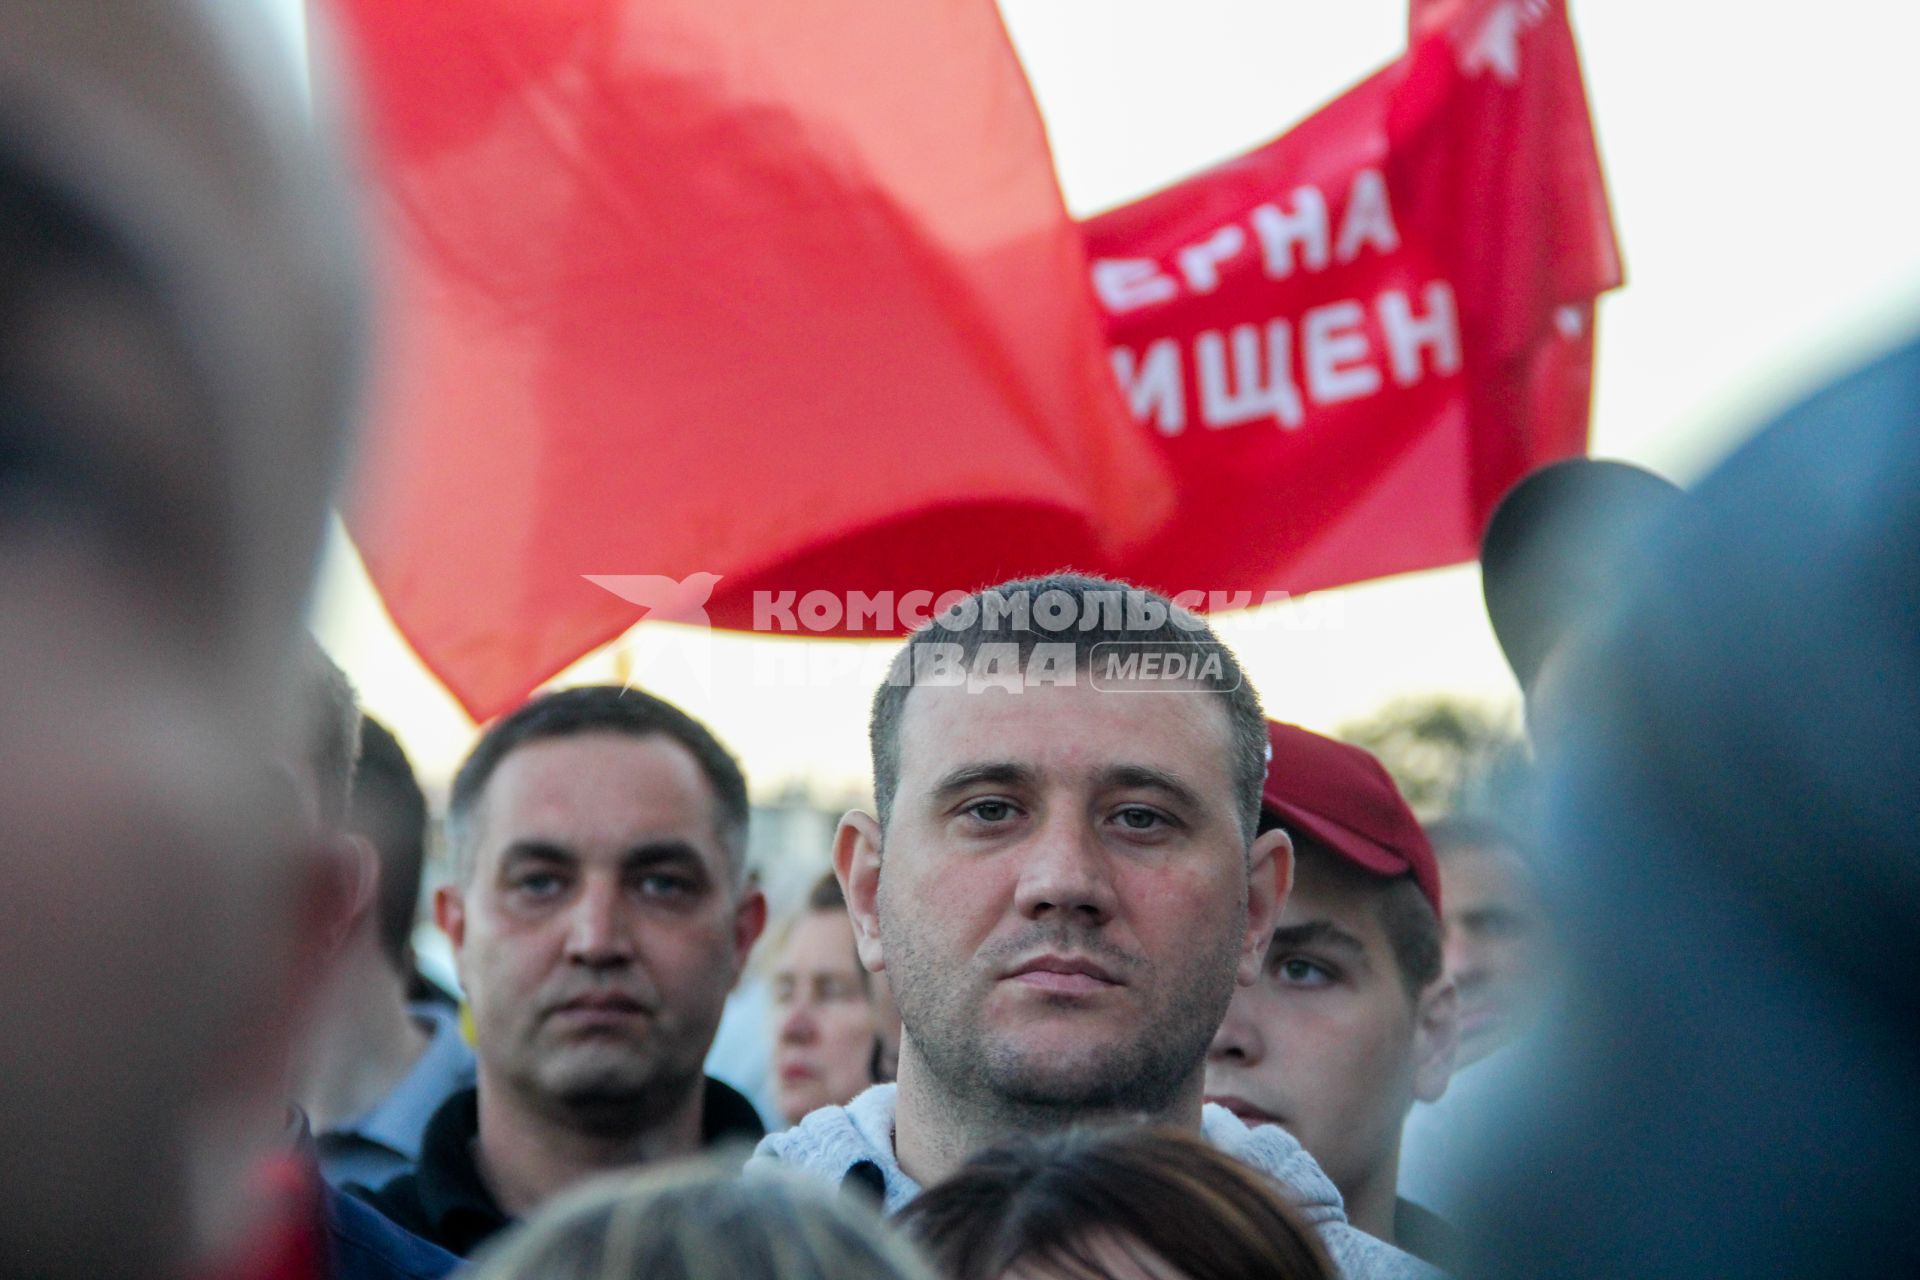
(1481,875)
(597,787)
(1067,732)
(1349,903)
(820,940)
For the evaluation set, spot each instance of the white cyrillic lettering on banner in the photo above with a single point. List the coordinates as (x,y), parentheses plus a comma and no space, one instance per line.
(1407,335)
(1152,386)
(1245,395)
(1334,351)
(1368,220)
(1305,227)
(1125,284)
(1200,263)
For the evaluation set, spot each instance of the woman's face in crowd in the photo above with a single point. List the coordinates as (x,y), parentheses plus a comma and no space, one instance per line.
(823,1030)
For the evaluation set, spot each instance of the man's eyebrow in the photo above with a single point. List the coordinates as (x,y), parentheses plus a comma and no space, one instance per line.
(670,851)
(1316,933)
(1002,772)
(536,850)
(1140,777)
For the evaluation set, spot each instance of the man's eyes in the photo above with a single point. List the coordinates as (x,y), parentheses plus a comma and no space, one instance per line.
(990,810)
(1299,971)
(537,884)
(664,884)
(1140,818)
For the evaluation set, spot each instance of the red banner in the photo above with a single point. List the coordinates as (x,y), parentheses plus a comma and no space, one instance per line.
(703,306)
(711,295)
(1351,341)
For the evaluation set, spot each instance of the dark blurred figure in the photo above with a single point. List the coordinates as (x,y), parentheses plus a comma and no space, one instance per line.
(685,1224)
(1557,551)
(1730,1089)
(315,1231)
(1113,1204)
(827,1039)
(380,1066)
(180,339)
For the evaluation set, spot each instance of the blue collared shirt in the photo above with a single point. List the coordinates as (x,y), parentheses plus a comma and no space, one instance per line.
(384,1141)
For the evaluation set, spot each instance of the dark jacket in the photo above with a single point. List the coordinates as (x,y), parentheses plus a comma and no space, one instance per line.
(445,1200)
(363,1245)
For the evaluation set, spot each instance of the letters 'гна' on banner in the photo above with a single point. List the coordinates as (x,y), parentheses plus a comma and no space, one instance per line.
(1350,341)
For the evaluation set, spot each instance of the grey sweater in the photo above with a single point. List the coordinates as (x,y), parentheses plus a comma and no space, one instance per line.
(832,1140)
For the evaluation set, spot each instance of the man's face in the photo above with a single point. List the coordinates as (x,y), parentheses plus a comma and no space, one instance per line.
(1062,899)
(1328,1043)
(1495,945)
(597,932)
(823,1024)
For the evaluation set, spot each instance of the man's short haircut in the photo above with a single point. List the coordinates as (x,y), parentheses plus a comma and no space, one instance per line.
(1098,611)
(331,724)
(1405,915)
(588,709)
(390,810)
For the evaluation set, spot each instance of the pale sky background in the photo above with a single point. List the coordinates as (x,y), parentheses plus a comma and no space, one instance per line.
(1764,182)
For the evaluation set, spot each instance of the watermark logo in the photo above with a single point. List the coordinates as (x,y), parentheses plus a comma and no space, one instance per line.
(665,599)
(1141,666)
(1067,636)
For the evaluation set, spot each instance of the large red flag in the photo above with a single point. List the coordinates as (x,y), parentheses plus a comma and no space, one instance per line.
(726,302)
(713,296)
(1349,342)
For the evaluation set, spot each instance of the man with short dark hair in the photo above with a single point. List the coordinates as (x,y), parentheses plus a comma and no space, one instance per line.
(600,912)
(381,1066)
(1063,885)
(1352,1019)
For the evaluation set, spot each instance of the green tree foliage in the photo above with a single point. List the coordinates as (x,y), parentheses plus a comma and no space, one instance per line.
(1449,755)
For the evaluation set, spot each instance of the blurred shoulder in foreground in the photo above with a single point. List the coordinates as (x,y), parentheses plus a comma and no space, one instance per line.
(1735,856)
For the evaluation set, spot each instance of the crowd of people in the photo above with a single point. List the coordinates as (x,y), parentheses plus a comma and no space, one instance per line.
(1120,977)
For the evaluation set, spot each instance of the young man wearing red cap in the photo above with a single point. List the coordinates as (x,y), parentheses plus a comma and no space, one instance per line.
(1352,1019)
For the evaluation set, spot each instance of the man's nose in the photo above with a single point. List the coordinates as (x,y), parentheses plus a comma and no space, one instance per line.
(1461,960)
(1064,874)
(1238,1043)
(598,935)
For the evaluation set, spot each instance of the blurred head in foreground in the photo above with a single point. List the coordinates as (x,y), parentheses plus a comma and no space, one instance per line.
(826,1033)
(1727,1086)
(1115,1204)
(179,339)
(1557,551)
(688,1225)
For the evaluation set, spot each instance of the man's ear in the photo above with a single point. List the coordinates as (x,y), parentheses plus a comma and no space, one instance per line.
(450,913)
(1436,1038)
(749,920)
(856,864)
(341,871)
(1269,880)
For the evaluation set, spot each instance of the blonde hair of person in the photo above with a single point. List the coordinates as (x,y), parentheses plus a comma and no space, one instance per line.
(697,1223)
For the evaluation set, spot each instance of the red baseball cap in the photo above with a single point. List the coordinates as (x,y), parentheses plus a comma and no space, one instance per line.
(1340,796)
